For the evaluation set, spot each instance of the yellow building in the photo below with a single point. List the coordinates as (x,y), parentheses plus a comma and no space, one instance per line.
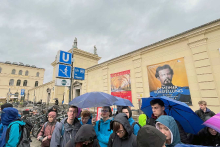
(197,49)
(16,76)
(47,92)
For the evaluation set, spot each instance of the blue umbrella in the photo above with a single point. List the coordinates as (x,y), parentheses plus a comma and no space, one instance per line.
(181,112)
(93,99)
(122,102)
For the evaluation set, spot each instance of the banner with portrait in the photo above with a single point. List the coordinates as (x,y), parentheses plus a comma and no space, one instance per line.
(169,79)
(121,85)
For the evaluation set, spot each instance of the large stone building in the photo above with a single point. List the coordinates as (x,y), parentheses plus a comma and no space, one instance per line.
(193,57)
(16,76)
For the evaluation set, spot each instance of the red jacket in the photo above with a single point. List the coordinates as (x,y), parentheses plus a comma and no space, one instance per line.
(47,132)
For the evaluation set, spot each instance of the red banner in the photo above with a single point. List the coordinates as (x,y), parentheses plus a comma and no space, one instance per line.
(121,85)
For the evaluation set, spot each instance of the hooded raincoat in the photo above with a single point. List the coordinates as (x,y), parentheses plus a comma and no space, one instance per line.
(149,136)
(59,140)
(129,140)
(85,133)
(170,123)
(136,127)
(7,117)
(104,133)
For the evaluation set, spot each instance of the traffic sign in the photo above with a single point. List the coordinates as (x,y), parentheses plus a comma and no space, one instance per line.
(62,82)
(79,73)
(63,71)
(22,92)
(64,57)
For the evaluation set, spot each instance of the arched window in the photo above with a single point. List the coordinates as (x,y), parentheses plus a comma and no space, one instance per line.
(16,94)
(37,74)
(36,83)
(18,83)
(26,73)
(20,72)
(0,70)
(13,71)
(11,82)
(25,83)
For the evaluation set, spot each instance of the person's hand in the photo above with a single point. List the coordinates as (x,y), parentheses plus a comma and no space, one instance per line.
(39,137)
(93,121)
(45,138)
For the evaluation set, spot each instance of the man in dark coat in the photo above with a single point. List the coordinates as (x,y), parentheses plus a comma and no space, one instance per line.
(158,110)
(86,136)
(149,136)
(204,112)
(122,135)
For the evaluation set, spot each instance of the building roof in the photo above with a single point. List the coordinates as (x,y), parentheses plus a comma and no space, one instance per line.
(156,43)
(20,64)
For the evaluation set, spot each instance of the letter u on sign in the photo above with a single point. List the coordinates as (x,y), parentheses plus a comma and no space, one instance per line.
(66,59)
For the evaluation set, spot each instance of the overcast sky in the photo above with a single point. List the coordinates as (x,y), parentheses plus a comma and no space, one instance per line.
(33,31)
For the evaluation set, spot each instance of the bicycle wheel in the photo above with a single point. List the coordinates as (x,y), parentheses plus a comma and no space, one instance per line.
(35,131)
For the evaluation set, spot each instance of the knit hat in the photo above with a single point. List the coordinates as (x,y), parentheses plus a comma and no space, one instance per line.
(52,114)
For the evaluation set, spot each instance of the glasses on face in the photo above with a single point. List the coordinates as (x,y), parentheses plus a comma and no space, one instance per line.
(105,111)
(119,132)
(72,111)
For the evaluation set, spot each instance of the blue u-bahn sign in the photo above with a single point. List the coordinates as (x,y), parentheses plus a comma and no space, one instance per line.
(79,73)
(64,57)
(63,71)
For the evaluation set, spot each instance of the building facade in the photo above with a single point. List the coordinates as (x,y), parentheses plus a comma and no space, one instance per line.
(47,92)
(192,57)
(16,76)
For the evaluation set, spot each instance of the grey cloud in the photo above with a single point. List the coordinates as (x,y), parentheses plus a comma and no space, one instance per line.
(33,31)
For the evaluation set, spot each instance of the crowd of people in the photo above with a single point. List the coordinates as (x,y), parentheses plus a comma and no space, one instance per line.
(80,129)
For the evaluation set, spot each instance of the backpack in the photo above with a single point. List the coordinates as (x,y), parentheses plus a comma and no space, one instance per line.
(133,124)
(25,134)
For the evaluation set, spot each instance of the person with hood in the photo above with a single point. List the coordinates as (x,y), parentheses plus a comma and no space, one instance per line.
(158,110)
(142,119)
(85,117)
(54,109)
(6,105)
(135,126)
(102,127)
(207,137)
(122,132)
(149,136)
(47,130)
(10,119)
(66,129)
(85,137)
(167,125)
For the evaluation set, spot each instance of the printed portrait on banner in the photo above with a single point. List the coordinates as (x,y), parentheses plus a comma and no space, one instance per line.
(169,79)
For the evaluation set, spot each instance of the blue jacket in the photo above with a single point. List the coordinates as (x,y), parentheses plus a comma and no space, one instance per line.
(15,134)
(104,133)
(136,126)
(169,122)
(89,121)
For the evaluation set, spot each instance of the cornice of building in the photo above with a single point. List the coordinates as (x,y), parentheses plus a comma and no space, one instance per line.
(48,83)
(23,66)
(165,42)
(84,54)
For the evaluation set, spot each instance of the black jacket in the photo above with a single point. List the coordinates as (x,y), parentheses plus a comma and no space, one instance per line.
(204,115)
(129,140)
(183,135)
(85,133)
(206,139)
(149,136)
